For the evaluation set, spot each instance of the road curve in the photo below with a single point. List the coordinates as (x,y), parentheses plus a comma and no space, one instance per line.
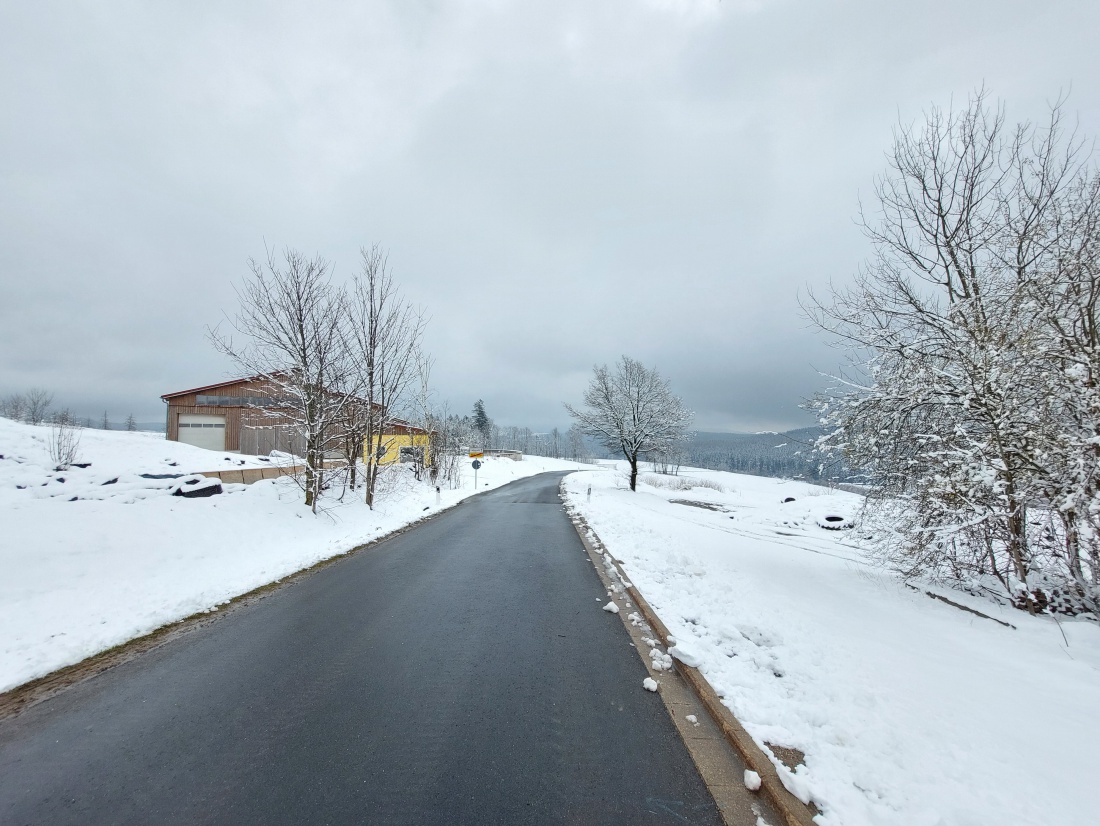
(462,672)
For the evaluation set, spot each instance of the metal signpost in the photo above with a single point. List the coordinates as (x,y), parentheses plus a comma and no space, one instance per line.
(477,464)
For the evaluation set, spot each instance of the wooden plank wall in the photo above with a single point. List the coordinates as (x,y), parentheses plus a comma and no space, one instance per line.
(188,403)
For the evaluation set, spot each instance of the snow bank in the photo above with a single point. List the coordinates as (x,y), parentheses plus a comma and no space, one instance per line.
(92,557)
(909,711)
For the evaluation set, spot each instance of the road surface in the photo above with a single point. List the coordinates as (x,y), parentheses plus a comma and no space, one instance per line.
(462,672)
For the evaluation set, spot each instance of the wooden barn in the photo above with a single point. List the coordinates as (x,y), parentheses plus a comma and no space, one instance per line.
(233,416)
(241,416)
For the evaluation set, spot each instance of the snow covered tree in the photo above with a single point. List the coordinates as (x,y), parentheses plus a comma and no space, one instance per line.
(1061,245)
(131,425)
(632,411)
(968,403)
(105,424)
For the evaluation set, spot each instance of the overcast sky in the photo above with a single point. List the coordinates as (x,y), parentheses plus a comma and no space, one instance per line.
(557,183)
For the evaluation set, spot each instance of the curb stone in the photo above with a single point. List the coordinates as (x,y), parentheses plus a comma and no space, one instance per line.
(793,811)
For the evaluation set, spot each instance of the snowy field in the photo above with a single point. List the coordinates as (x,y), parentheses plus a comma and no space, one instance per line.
(92,557)
(909,711)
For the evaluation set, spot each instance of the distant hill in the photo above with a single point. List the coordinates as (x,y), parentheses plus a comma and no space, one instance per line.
(789,455)
(97,424)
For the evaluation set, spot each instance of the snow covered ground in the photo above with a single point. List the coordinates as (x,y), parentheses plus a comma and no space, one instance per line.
(92,557)
(910,711)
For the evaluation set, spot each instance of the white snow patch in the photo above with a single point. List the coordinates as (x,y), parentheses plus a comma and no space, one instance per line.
(752,780)
(649,684)
(611,607)
(908,710)
(660,660)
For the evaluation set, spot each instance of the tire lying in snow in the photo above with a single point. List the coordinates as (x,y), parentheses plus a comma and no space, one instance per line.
(197,487)
(834,522)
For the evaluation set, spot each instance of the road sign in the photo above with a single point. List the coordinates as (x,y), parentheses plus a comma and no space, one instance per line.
(477,464)
(476,454)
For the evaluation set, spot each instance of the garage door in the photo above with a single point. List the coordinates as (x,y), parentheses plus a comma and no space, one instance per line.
(202,430)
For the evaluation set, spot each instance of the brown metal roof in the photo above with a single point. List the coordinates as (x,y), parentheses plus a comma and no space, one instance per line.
(401,425)
(393,422)
(210,387)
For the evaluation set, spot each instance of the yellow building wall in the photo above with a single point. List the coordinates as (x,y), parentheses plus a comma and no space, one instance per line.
(394,442)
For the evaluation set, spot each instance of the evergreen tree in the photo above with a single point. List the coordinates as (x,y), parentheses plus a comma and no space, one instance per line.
(482,424)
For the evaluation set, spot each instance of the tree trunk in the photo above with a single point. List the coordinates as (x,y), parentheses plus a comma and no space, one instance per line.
(633,471)
(1017,539)
(369,477)
(1072,527)
(310,473)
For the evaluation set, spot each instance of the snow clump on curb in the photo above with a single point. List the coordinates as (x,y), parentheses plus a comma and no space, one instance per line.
(686,654)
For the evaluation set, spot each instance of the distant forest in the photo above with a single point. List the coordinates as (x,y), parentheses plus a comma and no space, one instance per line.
(789,455)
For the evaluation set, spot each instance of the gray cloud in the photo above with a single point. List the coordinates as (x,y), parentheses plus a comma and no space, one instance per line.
(558,183)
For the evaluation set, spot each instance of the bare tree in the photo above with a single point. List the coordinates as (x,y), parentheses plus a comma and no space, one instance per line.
(38,403)
(574,440)
(131,425)
(385,335)
(633,411)
(14,407)
(106,424)
(291,317)
(445,441)
(422,410)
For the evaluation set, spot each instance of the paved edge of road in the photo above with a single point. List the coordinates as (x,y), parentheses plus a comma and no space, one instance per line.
(31,693)
(685,686)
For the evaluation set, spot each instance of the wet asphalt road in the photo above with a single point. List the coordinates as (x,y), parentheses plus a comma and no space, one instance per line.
(463,673)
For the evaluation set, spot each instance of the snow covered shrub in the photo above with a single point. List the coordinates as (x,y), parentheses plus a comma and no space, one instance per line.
(681,483)
(668,482)
(64,440)
(710,484)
